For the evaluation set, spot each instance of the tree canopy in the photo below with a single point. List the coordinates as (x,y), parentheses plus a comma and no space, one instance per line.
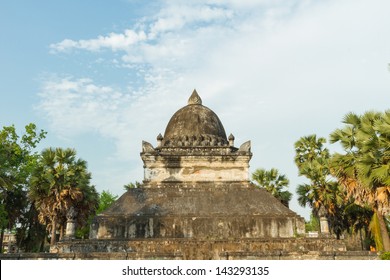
(364,167)
(312,160)
(274,183)
(106,199)
(61,182)
(17,159)
(132,185)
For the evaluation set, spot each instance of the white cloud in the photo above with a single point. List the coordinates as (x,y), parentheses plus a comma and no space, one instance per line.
(175,17)
(113,41)
(272,72)
(77,105)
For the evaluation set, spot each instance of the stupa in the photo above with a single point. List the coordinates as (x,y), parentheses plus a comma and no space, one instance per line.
(197,202)
(196,185)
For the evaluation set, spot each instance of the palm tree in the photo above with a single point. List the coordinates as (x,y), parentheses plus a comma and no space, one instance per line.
(132,185)
(309,149)
(274,183)
(322,193)
(60,182)
(364,168)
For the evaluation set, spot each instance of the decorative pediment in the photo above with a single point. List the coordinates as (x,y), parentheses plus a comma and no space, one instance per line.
(147,147)
(245,147)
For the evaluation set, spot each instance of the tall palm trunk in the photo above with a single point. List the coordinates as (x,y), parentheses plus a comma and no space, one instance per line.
(53,232)
(1,240)
(62,230)
(384,233)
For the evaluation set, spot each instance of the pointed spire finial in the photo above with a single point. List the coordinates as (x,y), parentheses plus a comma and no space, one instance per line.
(194,98)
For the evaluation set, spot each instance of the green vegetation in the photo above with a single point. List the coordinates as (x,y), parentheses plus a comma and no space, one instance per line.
(132,185)
(274,183)
(38,190)
(323,193)
(106,199)
(312,160)
(17,159)
(351,189)
(313,224)
(385,256)
(364,167)
(61,183)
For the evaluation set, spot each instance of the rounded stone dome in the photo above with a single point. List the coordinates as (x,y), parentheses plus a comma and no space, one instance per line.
(195,125)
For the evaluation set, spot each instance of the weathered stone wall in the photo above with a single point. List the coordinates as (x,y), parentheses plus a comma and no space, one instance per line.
(205,249)
(355,241)
(209,210)
(355,255)
(199,227)
(184,249)
(180,164)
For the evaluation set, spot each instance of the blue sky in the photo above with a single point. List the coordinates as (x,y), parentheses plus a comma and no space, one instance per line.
(101,76)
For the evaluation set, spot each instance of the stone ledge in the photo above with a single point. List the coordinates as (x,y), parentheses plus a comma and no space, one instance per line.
(275,255)
(204,249)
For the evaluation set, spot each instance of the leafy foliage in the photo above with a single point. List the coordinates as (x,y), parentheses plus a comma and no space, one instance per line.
(17,159)
(364,168)
(273,182)
(385,256)
(61,183)
(313,224)
(106,199)
(322,193)
(376,232)
(132,185)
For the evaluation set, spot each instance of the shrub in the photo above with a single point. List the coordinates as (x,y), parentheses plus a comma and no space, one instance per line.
(385,256)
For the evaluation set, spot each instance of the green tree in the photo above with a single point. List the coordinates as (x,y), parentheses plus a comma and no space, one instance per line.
(313,224)
(62,182)
(3,223)
(17,158)
(364,167)
(132,185)
(31,234)
(358,219)
(106,199)
(274,183)
(323,193)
